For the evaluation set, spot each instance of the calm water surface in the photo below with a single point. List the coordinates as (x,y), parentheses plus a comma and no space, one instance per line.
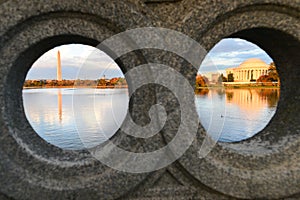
(235,114)
(75,118)
(79,118)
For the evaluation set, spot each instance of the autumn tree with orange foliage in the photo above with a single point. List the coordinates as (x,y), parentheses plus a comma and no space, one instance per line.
(201,81)
(272,75)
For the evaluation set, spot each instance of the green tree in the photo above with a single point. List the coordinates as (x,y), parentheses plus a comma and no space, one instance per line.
(230,77)
(122,81)
(222,79)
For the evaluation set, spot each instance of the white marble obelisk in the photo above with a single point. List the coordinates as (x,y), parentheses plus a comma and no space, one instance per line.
(59,77)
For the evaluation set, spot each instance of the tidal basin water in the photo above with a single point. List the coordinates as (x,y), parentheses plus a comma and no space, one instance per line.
(75,118)
(230,115)
(81,118)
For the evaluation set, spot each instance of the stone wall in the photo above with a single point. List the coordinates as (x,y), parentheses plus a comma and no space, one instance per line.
(266,166)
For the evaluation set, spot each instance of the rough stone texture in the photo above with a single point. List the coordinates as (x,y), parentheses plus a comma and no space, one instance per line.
(266,166)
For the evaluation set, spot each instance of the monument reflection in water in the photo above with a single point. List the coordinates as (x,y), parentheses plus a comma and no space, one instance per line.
(241,113)
(50,113)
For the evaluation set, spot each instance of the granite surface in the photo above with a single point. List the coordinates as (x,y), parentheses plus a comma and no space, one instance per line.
(266,166)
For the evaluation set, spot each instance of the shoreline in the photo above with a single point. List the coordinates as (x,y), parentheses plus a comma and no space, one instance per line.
(238,87)
(95,87)
(207,87)
(242,86)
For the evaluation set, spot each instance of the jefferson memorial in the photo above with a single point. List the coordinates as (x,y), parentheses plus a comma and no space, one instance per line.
(248,70)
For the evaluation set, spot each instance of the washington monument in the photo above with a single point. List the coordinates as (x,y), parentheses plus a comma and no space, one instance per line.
(59,78)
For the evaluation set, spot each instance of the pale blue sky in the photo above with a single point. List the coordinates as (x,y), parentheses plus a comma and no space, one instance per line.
(231,52)
(86,62)
(77,61)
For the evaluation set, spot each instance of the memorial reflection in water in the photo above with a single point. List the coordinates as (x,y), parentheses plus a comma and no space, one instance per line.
(241,112)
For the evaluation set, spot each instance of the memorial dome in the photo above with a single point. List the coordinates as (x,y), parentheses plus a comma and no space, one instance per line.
(253,63)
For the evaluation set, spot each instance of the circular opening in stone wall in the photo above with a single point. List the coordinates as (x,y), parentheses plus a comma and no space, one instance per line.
(54,82)
(237,90)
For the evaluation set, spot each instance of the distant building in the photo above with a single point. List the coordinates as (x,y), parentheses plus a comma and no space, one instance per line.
(212,76)
(215,77)
(249,70)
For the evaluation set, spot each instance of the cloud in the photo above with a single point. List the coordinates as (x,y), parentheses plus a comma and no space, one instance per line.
(91,63)
(231,52)
(76,59)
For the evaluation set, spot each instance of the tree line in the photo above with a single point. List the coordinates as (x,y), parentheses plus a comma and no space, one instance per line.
(117,81)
